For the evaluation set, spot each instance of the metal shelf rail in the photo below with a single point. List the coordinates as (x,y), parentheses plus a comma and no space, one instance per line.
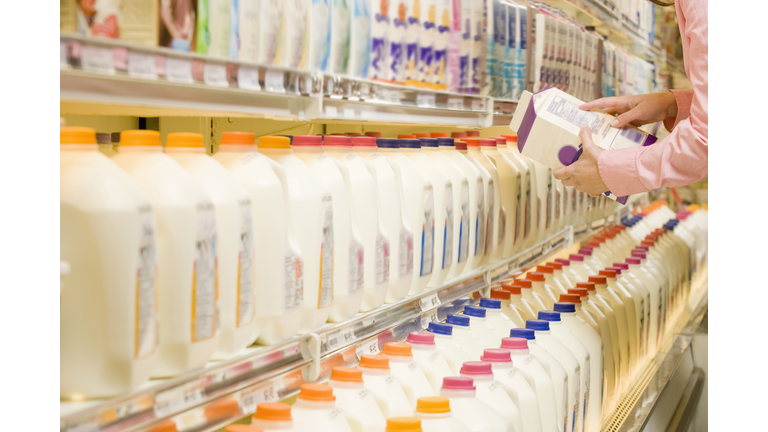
(225,391)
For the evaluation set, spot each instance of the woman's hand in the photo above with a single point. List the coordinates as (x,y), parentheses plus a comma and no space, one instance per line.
(637,110)
(584,174)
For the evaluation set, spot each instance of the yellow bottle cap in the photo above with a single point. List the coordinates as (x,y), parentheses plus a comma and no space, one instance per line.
(139,138)
(274,142)
(184,139)
(77,135)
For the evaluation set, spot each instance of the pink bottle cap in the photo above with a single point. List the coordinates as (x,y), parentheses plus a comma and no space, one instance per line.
(634,261)
(589,248)
(473,133)
(500,141)
(363,141)
(307,140)
(458,383)
(641,248)
(511,343)
(485,142)
(623,266)
(373,134)
(476,368)
(639,254)
(420,338)
(585,252)
(460,145)
(616,270)
(563,262)
(576,257)
(496,355)
(336,140)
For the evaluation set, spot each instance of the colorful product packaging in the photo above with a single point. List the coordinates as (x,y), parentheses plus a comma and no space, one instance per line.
(271,32)
(111,19)
(398,33)
(427,38)
(213,27)
(320,29)
(340,31)
(361,47)
(444,62)
(296,31)
(478,53)
(380,44)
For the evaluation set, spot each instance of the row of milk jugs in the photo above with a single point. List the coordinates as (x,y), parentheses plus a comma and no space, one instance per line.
(261,244)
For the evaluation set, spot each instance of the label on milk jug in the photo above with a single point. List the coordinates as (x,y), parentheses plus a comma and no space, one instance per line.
(355,266)
(489,224)
(528,207)
(294,280)
(146,292)
(577,399)
(502,226)
(464,223)
(205,277)
(518,207)
(549,202)
(565,406)
(245,267)
(448,230)
(405,258)
(427,235)
(585,400)
(325,290)
(382,259)
(480,221)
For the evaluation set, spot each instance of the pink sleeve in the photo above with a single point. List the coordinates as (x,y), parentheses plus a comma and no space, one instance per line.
(681,158)
(684,98)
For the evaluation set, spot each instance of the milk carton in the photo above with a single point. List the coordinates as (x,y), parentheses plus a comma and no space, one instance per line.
(499,46)
(244,34)
(398,34)
(465,46)
(508,72)
(427,38)
(365,21)
(271,32)
(413,35)
(320,29)
(381,28)
(548,124)
(341,11)
(296,54)
(521,51)
(446,42)
(478,56)
(213,27)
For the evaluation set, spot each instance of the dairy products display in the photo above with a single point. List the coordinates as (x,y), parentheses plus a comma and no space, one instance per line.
(360,407)
(273,416)
(315,410)
(429,358)
(386,388)
(435,414)
(467,408)
(516,385)
(491,393)
(408,372)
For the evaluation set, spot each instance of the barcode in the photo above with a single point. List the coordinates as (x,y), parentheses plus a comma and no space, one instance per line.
(633,135)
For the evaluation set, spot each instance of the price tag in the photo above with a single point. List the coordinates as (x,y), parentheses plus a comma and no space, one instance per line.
(331,111)
(178,70)
(274,81)
(177,399)
(340,338)
(430,302)
(426,100)
(248,78)
(215,74)
(371,347)
(98,59)
(456,103)
(349,113)
(141,65)
(250,398)
(429,317)
(478,104)
(63,63)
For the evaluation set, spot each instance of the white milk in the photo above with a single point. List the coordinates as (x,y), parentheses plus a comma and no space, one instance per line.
(560,277)
(476,251)
(359,404)
(513,381)
(495,242)
(365,201)
(633,314)
(234,240)
(410,375)
(579,265)
(608,331)
(548,294)
(461,210)
(655,291)
(348,245)
(451,351)
(247,31)
(488,335)
(277,256)
(642,304)
(492,393)
(576,381)
(467,408)
(570,271)
(186,254)
(548,271)
(110,270)
(435,414)
(536,300)
(444,208)
(429,358)
(393,217)
(483,229)
(315,410)
(273,416)
(526,237)
(510,188)
(523,306)
(312,220)
(510,311)
(539,379)
(594,345)
(498,320)
(531,186)
(419,203)
(386,389)
(608,300)
(463,336)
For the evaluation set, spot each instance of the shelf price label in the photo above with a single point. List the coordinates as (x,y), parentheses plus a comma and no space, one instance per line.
(141,65)
(63,63)
(248,78)
(266,393)
(429,302)
(428,318)
(215,74)
(340,338)
(371,347)
(98,59)
(388,95)
(456,103)
(425,100)
(178,70)
(478,104)
(177,399)
(274,81)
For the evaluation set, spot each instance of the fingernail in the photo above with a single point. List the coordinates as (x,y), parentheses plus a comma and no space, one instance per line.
(615,123)
(584,125)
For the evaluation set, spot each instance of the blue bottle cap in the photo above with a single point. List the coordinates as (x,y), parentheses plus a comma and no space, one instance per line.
(447,142)
(549,316)
(457,320)
(387,143)
(428,142)
(438,328)
(522,333)
(474,311)
(490,303)
(409,143)
(538,325)
(564,307)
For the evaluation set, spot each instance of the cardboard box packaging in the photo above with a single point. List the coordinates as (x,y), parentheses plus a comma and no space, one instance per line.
(134,21)
(548,123)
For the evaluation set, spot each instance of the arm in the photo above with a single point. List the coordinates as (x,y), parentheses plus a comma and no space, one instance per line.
(681,158)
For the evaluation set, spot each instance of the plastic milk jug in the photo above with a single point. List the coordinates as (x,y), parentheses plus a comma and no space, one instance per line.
(492,393)
(452,352)
(510,188)
(534,199)
(315,410)
(482,236)
(435,414)
(429,358)
(404,367)
(488,335)
(500,322)
(526,237)
(511,311)
(524,307)
(463,336)
(517,387)
(468,409)
(494,244)
(273,416)
(359,404)
(385,388)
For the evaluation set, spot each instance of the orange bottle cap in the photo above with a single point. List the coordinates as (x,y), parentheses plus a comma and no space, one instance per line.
(403,424)
(421,135)
(221,409)
(500,294)
(238,138)
(438,135)
(512,289)
(589,286)
(570,298)
(524,283)
(273,411)
(139,138)
(346,374)
(546,269)
(77,135)
(535,277)
(472,142)
(242,428)
(184,139)
(374,361)
(608,273)
(317,393)
(397,349)
(554,265)
(406,136)
(274,142)
(433,405)
(598,279)
(166,426)
(581,292)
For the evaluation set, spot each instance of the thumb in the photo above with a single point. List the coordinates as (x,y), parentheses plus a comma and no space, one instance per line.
(586,137)
(626,118)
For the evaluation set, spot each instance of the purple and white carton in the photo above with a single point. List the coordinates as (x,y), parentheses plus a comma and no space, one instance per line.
(547,124)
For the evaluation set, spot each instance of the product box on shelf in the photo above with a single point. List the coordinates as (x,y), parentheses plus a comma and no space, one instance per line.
(213,27)
(547,124)
(380,40)
(427,37)
(134,21)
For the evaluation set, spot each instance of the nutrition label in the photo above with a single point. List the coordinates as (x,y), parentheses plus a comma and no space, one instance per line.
(405,252)
(427,235)
(146,293)
(245,266)
(294,281)
(382,260)
(480,221)
(325,290)
(464,224)
(355,266)
(448,230)
(204,277)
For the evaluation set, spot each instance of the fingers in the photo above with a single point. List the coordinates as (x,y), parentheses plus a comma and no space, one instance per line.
(609,102)
(586,137)
(563,173)
(626,118)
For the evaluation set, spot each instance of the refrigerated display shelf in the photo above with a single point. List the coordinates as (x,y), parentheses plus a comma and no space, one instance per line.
(224,391)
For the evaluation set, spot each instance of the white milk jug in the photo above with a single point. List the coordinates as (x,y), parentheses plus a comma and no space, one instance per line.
(410,375)
(479,325)
(386,389)
(510,311)
(429,358)
(484,228)
(495,228)
(452,352)
(511,190)
(500,322)
(518,388)
(530,185)
(359,404)
(468,409)
(315,410)
(492,393)
(463,336)
(435,414)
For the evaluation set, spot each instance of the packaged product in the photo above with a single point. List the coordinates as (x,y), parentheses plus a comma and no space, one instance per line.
(320,27)
(271,32)
(213,27)
(296,33)
(412,41)
(399,11)
(134,21)
(447,40)
(340,27)
(361,46)
(427,36)
(178,24)
(380,44)
(478,54)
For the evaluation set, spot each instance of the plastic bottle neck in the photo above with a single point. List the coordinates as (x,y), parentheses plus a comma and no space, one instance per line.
(338,149)
(275,152)
(479,378)
(315,405)
(313,150)
(456,394)
(346,384)
(375,372)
